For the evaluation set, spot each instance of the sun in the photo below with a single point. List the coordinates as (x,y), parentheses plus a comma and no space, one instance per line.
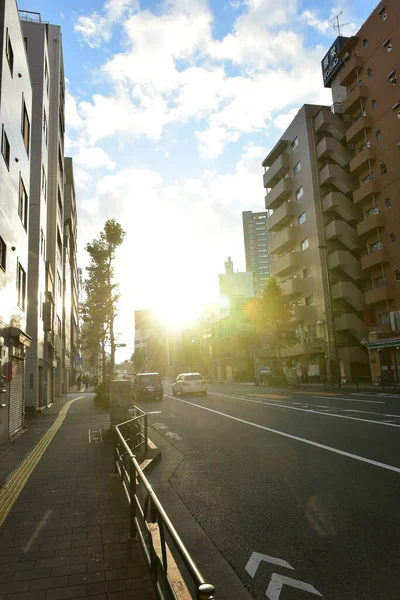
(177,311)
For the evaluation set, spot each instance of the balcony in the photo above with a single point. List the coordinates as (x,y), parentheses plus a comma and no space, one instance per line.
(338,202)
(334,174)
(276,151)
(358,126)
(375,258)
(349,70)
(376,221)
(305,314)
(349,322)
(284,240)
(342,231)
(343,260)
(346,290)
(326,121)
(379,294)
(278,194)
(282,216)
(330,147)
(315,346)
(354,97)
(277,170)
(368,153)
(366,190)
(296,286)
(288,264)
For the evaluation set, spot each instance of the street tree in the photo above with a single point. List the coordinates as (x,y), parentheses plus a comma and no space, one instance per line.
(272,316)
(100,307)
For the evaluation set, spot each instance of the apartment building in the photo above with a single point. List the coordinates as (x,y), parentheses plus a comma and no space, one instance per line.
(369,72)
(15,123)
(314,245)
(255,235)
(70,323)
(45,376)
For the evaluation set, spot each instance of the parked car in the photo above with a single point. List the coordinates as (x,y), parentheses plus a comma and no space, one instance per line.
(189,383)
(147,386)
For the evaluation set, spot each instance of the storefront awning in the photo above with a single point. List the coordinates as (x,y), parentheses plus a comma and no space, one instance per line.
(19,335)
(382,344)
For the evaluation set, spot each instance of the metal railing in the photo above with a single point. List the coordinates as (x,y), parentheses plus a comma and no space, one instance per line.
(152,511)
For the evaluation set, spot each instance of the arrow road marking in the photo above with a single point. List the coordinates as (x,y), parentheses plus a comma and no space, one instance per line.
(159,426)
(278,581)
(256,558)
(173,435)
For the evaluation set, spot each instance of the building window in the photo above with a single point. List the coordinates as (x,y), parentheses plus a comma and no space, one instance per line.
(59,284)
(371,212)
(397,275)
(21,287)
(299,193)
(26,44)
(3,252)
(378,135)
(384,16)
(44,184)
(58,326)
(369,177)
(25,126)
(389,47)
(392,238)
(307,272)
(9,53)
(304,245)
(45,127)
(388,202)
(23,203)
(365,43)
(384,318)
(297,168)
(374,104)
(46,76)
(310,300)
(42,244)
(383,168)
(369,73)
(295,143)
(375,247)
(302,218)
(5,147)
(312,331)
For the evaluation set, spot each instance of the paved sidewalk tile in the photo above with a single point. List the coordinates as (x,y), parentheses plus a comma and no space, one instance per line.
(66,535)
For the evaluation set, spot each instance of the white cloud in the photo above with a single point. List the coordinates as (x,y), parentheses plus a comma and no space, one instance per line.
(95,28)
(283,120)
(311,19)
(93,158)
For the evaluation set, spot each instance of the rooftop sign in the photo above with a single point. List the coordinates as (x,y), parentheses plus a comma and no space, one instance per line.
(331,63)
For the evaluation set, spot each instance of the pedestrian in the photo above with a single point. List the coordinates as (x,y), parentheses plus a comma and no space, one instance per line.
(78,382)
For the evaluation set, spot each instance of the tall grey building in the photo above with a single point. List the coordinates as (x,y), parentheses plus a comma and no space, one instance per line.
(44,375)
(255,234)
(314,243)
(15,164)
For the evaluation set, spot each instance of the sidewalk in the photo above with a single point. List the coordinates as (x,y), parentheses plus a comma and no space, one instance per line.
(67,534)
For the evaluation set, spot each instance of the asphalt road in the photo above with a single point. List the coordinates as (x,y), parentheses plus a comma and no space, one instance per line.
(308,479)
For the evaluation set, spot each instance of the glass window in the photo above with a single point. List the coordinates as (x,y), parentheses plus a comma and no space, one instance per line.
(384,318)
(25,126)
(9,53)
(299,193)
(304,244)
(397,275)
(369,73)
(383,168)
(389,47)
(302,218)
(388,202)
(307,272)
(374,103)
(297,168)
(378,135)
(22,203)
(365,43)
(295,143)
(3,251)
(392,238)
(21,287)
(309,300)
(5,147)
(376,246)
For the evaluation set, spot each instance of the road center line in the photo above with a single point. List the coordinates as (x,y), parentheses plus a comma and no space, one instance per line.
(352,400)
(315,412)
(292,437)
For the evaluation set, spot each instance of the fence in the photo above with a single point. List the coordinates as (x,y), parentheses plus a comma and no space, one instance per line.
(152,511)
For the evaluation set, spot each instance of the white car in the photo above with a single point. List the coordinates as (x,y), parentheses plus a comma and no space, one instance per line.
(189,383)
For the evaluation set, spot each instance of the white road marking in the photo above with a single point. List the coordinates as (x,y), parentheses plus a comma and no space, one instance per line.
(371,395)
(256,558)
(278,581)
(173,435)
(316,412)
(293,437)
(159,426)
(351,400)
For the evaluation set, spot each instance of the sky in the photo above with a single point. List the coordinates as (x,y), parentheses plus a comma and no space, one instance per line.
(171,107)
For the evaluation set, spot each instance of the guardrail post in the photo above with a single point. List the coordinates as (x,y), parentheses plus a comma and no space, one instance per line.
(206,591)
(145,433)
(132,496)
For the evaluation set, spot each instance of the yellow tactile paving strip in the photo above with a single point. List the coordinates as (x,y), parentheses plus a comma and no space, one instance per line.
(18,478)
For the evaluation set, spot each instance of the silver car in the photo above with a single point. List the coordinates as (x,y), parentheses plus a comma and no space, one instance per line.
(189,383)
